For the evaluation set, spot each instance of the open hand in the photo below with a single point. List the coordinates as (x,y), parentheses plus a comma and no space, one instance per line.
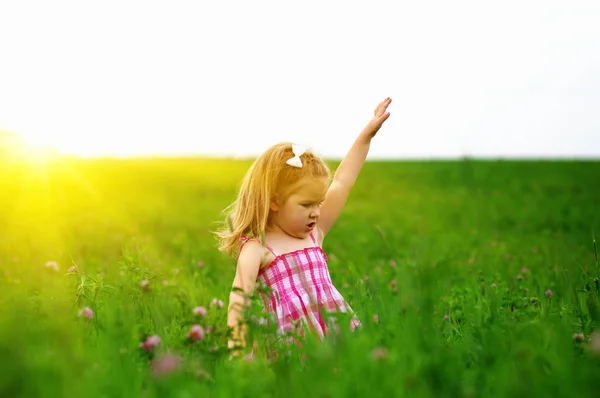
(379,117)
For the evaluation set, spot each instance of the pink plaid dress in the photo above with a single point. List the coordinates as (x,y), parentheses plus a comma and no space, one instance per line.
(301,290)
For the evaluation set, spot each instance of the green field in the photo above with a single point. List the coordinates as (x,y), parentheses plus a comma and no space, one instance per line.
(449,265)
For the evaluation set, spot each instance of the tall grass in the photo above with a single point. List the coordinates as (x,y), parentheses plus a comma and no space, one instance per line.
(471,278)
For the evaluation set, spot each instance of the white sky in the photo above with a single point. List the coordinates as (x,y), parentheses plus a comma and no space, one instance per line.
(509,78)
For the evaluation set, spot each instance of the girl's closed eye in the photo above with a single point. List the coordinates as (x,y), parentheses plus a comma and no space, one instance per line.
(315,204)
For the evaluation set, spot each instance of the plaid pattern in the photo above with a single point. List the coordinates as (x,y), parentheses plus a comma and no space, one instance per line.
(300,290)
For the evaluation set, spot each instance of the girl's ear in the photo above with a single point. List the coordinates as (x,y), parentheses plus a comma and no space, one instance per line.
(274,206)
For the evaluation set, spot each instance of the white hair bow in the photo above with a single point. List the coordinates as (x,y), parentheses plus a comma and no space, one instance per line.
(298,151)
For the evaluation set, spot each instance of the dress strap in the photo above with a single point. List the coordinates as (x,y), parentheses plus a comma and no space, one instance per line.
(271,250)
(245,239)
(313,239)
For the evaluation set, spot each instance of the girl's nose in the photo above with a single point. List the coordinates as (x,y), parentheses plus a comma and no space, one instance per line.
(316,212)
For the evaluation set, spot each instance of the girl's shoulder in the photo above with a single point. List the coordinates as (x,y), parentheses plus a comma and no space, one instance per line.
(254,246)
(248,244)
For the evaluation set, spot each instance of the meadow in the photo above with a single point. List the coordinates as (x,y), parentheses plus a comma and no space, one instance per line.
(471,278)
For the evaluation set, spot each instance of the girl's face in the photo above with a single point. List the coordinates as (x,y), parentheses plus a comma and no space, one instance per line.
(299,214)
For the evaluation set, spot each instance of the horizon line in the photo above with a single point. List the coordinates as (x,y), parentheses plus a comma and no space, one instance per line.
(245,157)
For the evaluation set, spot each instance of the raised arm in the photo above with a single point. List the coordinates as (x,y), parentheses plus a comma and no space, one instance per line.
(347,173)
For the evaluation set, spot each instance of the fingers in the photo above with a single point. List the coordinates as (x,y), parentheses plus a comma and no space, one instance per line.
(382,106)
(385,102)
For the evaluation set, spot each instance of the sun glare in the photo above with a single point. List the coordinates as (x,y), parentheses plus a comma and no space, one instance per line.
(35,141)
(42,146)
(65,144)
(26,148)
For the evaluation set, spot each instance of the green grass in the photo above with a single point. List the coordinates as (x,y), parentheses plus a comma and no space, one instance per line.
(459,234)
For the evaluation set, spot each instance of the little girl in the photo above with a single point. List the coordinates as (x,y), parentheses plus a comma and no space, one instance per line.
(287,204)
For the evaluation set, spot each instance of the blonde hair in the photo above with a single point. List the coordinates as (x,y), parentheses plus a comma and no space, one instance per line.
(269,178)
